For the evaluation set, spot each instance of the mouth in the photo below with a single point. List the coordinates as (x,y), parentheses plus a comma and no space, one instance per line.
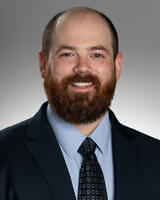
(82,86)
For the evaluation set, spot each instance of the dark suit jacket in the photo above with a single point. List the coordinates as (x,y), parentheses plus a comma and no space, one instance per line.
(32,166)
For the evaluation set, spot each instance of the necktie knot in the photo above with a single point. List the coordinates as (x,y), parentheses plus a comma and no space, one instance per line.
(87,147)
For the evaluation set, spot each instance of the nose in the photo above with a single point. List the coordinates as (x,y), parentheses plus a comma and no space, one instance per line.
(82,66)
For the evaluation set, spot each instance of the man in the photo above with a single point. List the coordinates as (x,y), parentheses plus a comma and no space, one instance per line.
(74,147)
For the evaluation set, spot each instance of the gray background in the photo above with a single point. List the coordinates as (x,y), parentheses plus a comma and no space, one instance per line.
(137,98)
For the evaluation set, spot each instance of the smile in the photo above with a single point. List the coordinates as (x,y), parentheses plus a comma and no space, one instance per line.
(82,84)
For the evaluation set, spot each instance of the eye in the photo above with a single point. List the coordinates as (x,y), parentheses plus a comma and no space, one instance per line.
(98,55)
(66,54)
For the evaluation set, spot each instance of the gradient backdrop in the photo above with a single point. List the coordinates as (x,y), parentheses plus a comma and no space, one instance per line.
(137,98)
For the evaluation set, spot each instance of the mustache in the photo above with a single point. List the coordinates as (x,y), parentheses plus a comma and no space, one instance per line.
(81,78)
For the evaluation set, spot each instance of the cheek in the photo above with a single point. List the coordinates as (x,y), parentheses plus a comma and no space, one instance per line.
(104,73)
(102,70)
(60,70)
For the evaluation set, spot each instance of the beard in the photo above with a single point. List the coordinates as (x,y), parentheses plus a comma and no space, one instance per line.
(79,107)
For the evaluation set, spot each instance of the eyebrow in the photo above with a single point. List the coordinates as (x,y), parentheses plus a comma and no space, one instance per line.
(99,47)
(65,47)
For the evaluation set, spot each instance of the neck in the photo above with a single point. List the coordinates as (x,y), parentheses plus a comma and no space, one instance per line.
(87,129)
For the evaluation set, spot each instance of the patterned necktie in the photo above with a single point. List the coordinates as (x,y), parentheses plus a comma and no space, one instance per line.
(91,180)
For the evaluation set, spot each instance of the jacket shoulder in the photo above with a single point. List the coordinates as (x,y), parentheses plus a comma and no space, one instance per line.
(14,131)
(11,138)
(142,137)
(148,146)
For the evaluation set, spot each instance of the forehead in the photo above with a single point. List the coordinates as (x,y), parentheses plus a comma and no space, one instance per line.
(81,27)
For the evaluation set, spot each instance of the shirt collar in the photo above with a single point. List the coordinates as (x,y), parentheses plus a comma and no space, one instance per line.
(70,138)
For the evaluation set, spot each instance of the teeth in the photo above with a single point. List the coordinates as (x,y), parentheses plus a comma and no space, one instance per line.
(82,84)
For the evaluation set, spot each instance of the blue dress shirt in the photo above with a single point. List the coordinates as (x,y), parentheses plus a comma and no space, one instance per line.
(70,138)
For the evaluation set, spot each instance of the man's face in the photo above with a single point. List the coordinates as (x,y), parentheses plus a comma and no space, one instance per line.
(81,73)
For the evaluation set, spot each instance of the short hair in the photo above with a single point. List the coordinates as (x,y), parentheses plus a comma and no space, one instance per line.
(47,34)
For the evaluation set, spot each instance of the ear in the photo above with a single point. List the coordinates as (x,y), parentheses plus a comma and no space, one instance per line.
(118,65)
(42,63)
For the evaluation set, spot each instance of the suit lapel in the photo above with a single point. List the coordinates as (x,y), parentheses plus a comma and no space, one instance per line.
(126,155)
(47,153)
